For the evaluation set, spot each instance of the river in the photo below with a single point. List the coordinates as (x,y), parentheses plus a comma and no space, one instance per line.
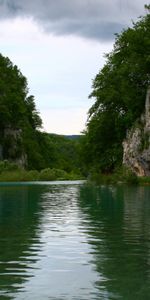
(73,241)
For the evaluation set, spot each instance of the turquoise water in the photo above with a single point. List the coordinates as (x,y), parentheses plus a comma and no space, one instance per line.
(70,241)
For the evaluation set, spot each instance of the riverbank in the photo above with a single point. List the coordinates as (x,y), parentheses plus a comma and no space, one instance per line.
(120,176)
(10,172)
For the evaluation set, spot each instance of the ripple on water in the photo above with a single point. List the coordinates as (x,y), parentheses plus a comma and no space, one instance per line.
(70,241)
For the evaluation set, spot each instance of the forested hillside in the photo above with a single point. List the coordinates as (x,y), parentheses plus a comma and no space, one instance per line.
(21,138)
(119,92)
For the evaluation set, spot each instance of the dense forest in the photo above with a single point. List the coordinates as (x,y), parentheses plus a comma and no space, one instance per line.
(119,91)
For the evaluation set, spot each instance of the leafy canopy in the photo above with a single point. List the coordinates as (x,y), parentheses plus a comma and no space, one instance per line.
(16,107)
(119,91)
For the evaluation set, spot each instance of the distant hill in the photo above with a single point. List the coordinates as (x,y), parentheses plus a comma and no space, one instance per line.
(70,137)
(73,137)
(63,151)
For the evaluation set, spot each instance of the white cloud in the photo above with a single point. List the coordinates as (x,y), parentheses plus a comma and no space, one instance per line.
(59,69)
(64,121)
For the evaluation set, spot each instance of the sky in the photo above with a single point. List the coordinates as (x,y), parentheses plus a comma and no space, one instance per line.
(59,46)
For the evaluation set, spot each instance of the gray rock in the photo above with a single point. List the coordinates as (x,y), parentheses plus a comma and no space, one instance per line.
(136,146)
(12,148)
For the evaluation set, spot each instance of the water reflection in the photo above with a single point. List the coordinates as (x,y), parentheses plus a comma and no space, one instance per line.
(74,242)
(19,222)
(63,270)
(118,224)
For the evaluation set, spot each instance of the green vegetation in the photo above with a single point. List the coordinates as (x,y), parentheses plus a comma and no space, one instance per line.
(23,143)
(144,180)
(119,91)
(11,172)
(121,176)
(65,152)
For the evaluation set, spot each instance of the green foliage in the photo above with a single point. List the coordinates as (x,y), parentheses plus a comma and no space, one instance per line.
(19,129)
(125,175)
(48,174)
(51,151)
(32,114)
(16,107)
(19,119)
(57,174)
(19,175)
(7,166)
(13,90)
(65,152)
(119,90)
(32,175)
(10,172)
(144,180)
(121,175)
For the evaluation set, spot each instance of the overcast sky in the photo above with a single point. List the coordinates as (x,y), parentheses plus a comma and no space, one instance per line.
(59,46)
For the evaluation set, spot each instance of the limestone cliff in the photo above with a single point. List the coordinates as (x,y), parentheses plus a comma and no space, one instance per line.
(136,146)
(11,146)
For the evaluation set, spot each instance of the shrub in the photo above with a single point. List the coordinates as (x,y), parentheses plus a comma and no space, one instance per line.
(47,174)
(60,174)
(5,165)
(125,175)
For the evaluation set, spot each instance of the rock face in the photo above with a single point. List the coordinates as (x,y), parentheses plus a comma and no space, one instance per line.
(136,146)
(11,147)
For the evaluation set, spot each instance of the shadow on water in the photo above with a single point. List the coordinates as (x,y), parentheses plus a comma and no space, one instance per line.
(117,221)
(20,214)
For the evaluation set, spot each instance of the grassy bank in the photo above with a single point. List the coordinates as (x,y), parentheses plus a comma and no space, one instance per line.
(10,172)
(144,180)
(121,175)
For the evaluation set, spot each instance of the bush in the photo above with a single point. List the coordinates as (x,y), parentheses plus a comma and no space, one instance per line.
(11,172)
(7,176)
(5,165)
(60,174)
(73,176)
(47,174)
(121,175)
(127,176)
(33,175)
(144,180)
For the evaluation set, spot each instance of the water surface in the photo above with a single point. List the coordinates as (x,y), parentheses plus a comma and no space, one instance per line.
(71,241)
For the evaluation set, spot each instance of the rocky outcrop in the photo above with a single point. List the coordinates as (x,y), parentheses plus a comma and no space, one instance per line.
(136,146)
(11,147)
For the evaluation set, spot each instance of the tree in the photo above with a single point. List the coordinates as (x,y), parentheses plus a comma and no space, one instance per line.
(13,91)
(18,114)
(20,124)
(32,113)
(16,107)
(119,90)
